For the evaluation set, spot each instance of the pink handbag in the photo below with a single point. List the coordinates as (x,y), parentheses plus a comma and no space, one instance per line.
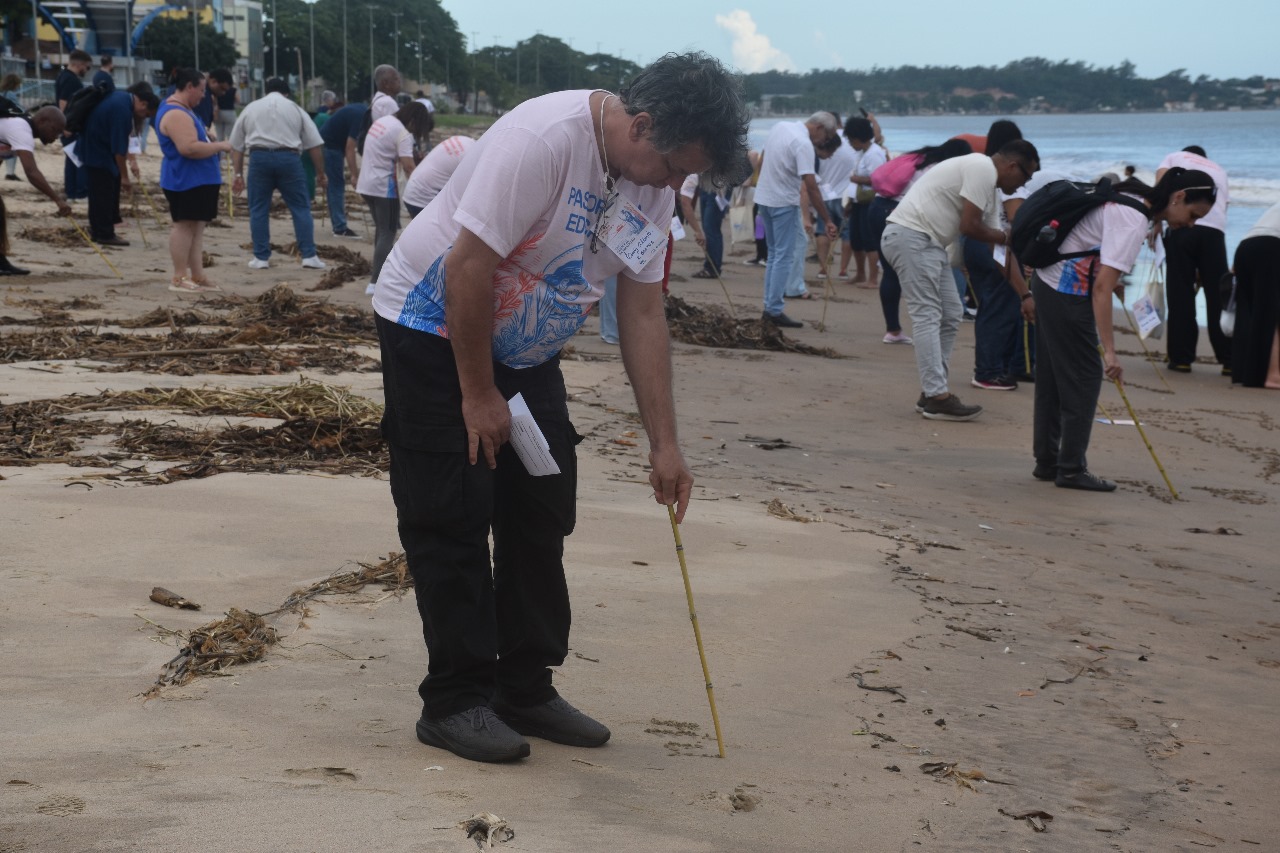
(891,179)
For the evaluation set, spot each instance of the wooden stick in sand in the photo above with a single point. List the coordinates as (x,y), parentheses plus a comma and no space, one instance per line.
(142,232)
(155,211)
(96,248)
(732,311)
(826,285)
(1142,432)
(697,633)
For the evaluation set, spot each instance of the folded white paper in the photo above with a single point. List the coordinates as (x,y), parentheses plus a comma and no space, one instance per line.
(529,442)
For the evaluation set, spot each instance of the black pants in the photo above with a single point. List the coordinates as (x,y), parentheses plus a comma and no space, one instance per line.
(1257,309)
(1068,378)
(1193,250)
(104,203)
(492,629)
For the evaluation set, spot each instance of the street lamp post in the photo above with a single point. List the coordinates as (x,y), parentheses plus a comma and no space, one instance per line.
(371,69)
(275,62)
(312,8)
(397,15)
(419,53)
(346,78)
(195,28)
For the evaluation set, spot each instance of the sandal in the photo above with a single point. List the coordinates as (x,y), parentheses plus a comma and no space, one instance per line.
(205,285)
(186,284)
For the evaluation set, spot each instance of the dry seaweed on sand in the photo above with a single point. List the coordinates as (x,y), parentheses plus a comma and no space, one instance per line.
(244,637)
(325,428)
(240,637)
(713,327)
(344,271)
(59,238)
(285,311)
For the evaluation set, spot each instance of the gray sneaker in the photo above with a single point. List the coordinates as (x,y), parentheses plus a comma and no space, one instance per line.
(949,409)
(556,721)
(476,734)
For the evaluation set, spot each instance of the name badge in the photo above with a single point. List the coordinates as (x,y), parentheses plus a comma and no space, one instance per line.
(630,235)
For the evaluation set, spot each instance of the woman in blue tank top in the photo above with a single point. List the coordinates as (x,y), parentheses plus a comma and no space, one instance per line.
(191,177)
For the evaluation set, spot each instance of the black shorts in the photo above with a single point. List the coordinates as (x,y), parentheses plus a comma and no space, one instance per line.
(199,204)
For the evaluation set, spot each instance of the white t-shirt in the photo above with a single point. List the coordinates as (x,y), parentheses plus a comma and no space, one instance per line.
(1117,229)
(1217,218)
(865,162)
(434,171)
(382,105)
(689,189)
(788,157)
(834,172)
(16,133)
(530,189)
(933,204)
(387,142)
(1268,225)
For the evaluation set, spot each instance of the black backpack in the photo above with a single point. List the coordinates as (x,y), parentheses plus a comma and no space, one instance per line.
(83,103)
(8,109)
(365,123)
(1046,218)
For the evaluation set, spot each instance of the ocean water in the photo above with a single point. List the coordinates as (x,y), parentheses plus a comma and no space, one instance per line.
(1085,146)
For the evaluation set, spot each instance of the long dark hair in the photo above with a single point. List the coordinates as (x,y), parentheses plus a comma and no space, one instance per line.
(931,155)
(417,119)
(1198,185)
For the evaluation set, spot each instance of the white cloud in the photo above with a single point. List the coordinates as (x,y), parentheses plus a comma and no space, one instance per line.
(752,51)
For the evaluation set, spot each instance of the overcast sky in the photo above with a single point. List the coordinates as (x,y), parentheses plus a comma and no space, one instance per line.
(1220,38)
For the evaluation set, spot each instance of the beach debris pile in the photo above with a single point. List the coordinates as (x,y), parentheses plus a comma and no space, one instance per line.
(58,238)
(485,828)
(276,332)
(713,327)
(244,637)
(322,428)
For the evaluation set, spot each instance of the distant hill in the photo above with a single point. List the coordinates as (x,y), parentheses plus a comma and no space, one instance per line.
(1032,85)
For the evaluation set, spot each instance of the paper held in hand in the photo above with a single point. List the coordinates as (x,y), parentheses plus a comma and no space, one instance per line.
(1146,316)
(529,442)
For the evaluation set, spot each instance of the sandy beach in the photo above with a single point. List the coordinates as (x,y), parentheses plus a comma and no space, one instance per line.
(914,644)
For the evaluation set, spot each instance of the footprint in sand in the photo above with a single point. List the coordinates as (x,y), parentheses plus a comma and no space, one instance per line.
(61,806)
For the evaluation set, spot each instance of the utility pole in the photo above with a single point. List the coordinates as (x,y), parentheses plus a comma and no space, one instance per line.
(419,53)
(195,28)
(537,62)
(475,89)
(346,78)
(372,88)
(495,57)
(311,5)
(275,62)
(397,15)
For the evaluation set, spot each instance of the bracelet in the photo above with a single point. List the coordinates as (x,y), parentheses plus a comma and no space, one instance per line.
(1026,296)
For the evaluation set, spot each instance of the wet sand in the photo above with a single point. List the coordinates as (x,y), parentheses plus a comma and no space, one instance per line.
(1040,650)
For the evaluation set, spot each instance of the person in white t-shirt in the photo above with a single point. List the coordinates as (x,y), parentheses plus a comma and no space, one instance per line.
(387,149)
(473,306)
(833,177)
(18,137)
(860,242)
(957,196)
(386,83)
(1073,315)
(1255,355)
(1191,253)
(787,167)
(434,172)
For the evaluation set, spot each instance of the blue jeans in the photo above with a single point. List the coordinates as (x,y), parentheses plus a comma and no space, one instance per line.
(780,226)
(712,222)
(334,161)
(278,170)
(609,311)
(998,313)
(890,287)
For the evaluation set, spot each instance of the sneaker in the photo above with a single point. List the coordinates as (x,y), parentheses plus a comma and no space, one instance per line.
(1023,376)
(754,262)
(259,264)
(781,319)
(370,287)
(822,276)
(477,734)
(895,338)
(556,721)
(1180,368)
(1002,383)
(313,263)
(921,403)
(1085,481)
(12,178)
(346,232)
(1045,472)
(612,341)
(949,408)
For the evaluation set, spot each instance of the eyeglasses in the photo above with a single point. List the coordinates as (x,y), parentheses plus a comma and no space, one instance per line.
(1023,169)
